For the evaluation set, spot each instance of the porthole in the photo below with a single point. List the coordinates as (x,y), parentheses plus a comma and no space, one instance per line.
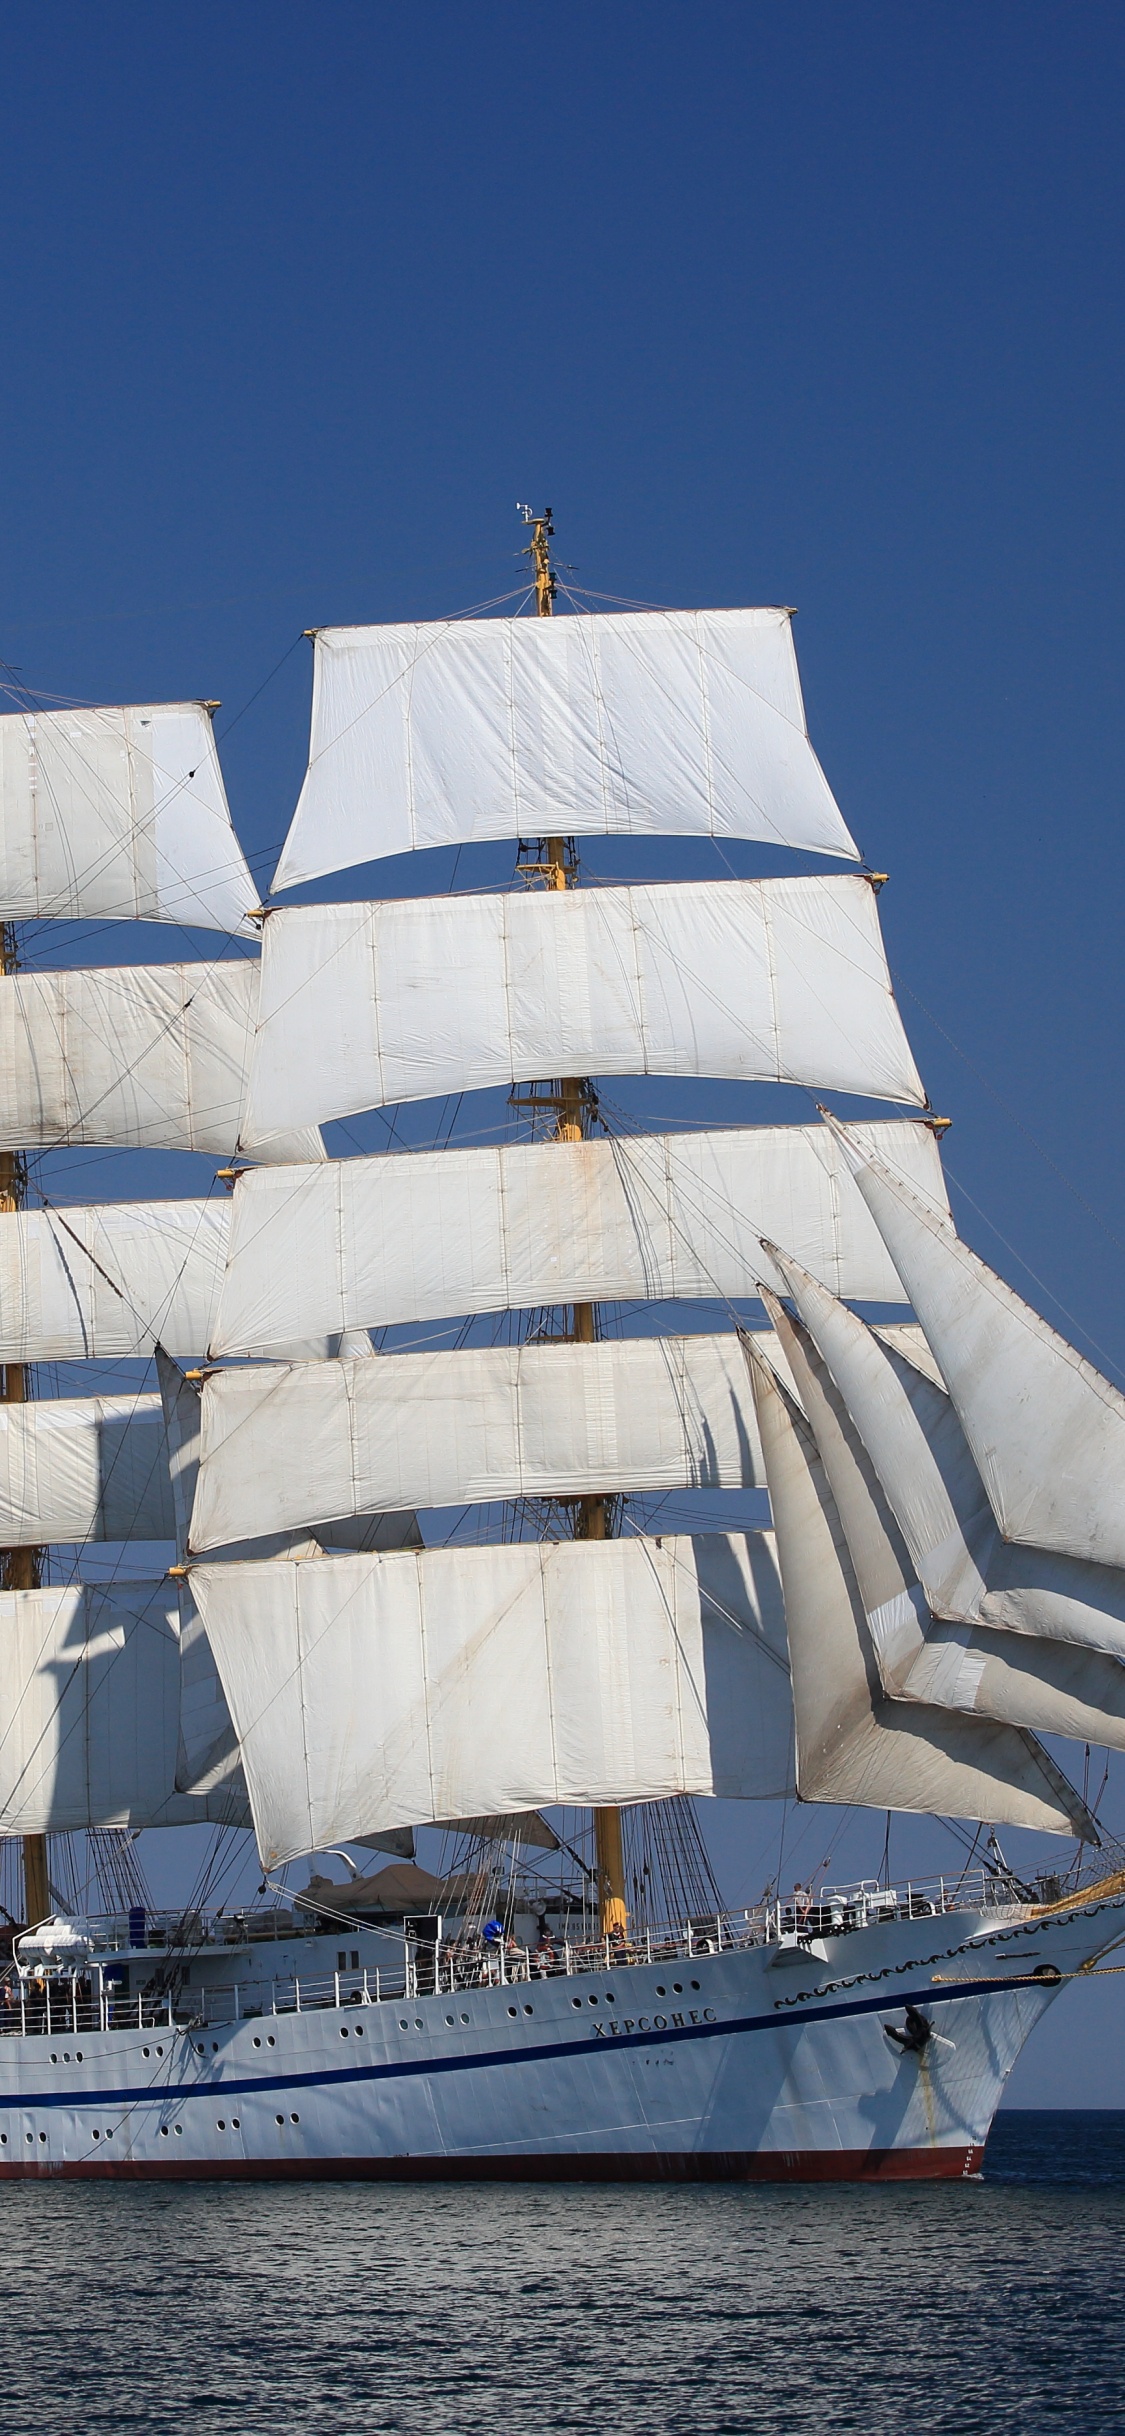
(54,2059)
(235,2123)
(201,2050)
(450,2022)
(97,2135)
(78,2055)
(221,2124)
(359,2029)
(214,2046)
(43,2136)
(29,2135)
(109,2132)
(419,2025)
(179,2131)
(343,2031)
(163,2131)
(695,1985)
(160,2050)
(257,2042)
(294,2118)
(529,2008)
(66,2055)
(144,2051)
(512,2010)
(279,2118)
(662,1991)
(270,2039)
(607,1996)
(677,1987)
(591,2000)
(404,2025)
(576,2000)
(3,2139)
(464,2017)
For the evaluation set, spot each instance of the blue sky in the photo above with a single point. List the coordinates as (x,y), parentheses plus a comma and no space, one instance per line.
(820,306)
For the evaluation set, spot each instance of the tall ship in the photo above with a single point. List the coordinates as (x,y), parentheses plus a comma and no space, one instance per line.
(373,1493)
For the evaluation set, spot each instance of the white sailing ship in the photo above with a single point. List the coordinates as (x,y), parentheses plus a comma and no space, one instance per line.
(942,1583)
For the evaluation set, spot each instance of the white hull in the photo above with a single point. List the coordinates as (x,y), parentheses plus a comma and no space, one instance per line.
(758,2063)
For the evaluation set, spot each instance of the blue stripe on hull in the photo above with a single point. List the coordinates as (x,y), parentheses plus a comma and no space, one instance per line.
(599,2096)
(559,2050)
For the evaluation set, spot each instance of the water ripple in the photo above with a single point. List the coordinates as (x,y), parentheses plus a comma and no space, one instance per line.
(452,2311)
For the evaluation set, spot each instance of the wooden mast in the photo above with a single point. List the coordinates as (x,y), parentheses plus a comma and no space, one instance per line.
(20,1567)
(572,1118)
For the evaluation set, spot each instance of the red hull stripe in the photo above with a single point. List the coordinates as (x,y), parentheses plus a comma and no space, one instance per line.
(731,2165)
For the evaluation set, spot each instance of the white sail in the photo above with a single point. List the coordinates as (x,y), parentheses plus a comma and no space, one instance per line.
(758,980)
(854,1745)
(134,1057)
(369,1241)
(906,1337)
(120,814)
(1044,1685)
(84,1468)
(209,1757)
(109,1279)
(915,1442)
(910,1429)
(353,1531)
(180,1411)
(880,1559)
(372,1692)
(679,722)
(1049,1687)
(92,1711)
(1047,1431)
(301,1443)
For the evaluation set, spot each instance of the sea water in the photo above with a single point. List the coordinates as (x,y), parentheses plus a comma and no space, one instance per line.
(989,2306)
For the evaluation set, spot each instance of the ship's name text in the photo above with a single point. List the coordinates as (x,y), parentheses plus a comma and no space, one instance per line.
(654,2021)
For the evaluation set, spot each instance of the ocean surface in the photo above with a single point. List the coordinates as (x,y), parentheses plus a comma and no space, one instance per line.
(992,2306)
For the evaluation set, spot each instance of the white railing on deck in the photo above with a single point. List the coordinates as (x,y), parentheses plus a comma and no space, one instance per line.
(61,2004)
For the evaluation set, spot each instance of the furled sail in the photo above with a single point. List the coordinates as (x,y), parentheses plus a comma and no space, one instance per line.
(372,1692)
(134,1057)
(679,722)
(92,1711)
(302,1442)
(1047,1431)
(911,1432)
(854,1744)
(104,1280)
(121,814)
(758,980)
(1048,1686)
(364,1242)
(84,1468)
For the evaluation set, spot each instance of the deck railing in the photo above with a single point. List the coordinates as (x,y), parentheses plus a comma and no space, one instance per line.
(55,2002)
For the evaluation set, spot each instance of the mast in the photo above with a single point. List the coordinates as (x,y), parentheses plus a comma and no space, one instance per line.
(574,1106)
(20,1567)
